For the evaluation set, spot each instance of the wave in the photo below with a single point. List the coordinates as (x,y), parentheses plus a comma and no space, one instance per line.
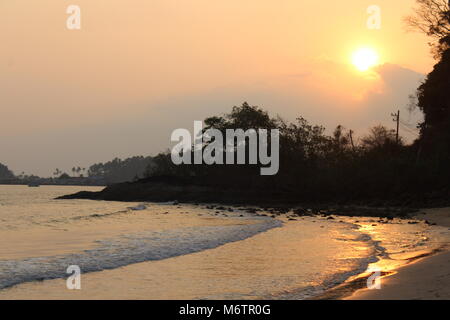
(125,250)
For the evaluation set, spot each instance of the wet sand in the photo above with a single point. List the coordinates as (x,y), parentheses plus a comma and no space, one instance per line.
(423,279)
(255,268)
(247,268)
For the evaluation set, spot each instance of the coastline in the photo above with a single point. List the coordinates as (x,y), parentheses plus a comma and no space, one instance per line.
(396,282)
(259,267)
(143,237)
(425,277)
(185,190)
(108,284)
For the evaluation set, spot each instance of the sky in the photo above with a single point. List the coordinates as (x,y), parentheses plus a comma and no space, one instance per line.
(138,69)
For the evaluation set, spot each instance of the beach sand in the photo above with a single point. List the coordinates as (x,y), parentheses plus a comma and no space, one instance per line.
(423,279)
(254,268)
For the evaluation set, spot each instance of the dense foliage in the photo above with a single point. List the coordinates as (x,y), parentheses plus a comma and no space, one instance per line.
(434,101)
(315,166)
(432,17)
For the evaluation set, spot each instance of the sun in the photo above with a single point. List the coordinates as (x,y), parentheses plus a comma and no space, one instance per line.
(365,58)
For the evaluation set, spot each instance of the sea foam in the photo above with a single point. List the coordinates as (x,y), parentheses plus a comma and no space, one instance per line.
(129,249)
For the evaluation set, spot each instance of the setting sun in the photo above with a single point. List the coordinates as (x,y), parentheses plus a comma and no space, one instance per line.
(365,58)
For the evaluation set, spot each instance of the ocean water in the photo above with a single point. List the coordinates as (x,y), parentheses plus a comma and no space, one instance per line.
(167,251)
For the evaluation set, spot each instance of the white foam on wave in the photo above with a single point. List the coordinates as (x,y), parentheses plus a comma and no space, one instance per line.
(135,248)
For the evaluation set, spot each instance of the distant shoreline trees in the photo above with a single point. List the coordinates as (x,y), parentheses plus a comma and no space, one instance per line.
(110,172)
(5,173)
(119,170)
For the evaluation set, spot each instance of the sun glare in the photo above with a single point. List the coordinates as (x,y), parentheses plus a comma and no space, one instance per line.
(364,59)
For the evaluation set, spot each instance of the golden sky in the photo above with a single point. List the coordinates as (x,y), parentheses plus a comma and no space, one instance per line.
(138,69)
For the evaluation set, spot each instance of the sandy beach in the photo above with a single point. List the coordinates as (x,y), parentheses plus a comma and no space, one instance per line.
(423,279)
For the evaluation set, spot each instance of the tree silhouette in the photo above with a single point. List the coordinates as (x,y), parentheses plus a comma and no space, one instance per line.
(57,173)
(314,166)
(432,17)
(379,137)
(434,101)
(5,173)
(119,170)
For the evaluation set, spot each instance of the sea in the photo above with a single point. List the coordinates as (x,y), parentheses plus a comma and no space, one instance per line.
(184,251)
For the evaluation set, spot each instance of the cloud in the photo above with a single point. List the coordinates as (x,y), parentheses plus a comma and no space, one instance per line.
(398,83)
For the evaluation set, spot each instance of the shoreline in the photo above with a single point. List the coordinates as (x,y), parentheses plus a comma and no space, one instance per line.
(182,190)
(55,184)
(355,288)
(273,258)
(424,277)
(348,289)
(377,226)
